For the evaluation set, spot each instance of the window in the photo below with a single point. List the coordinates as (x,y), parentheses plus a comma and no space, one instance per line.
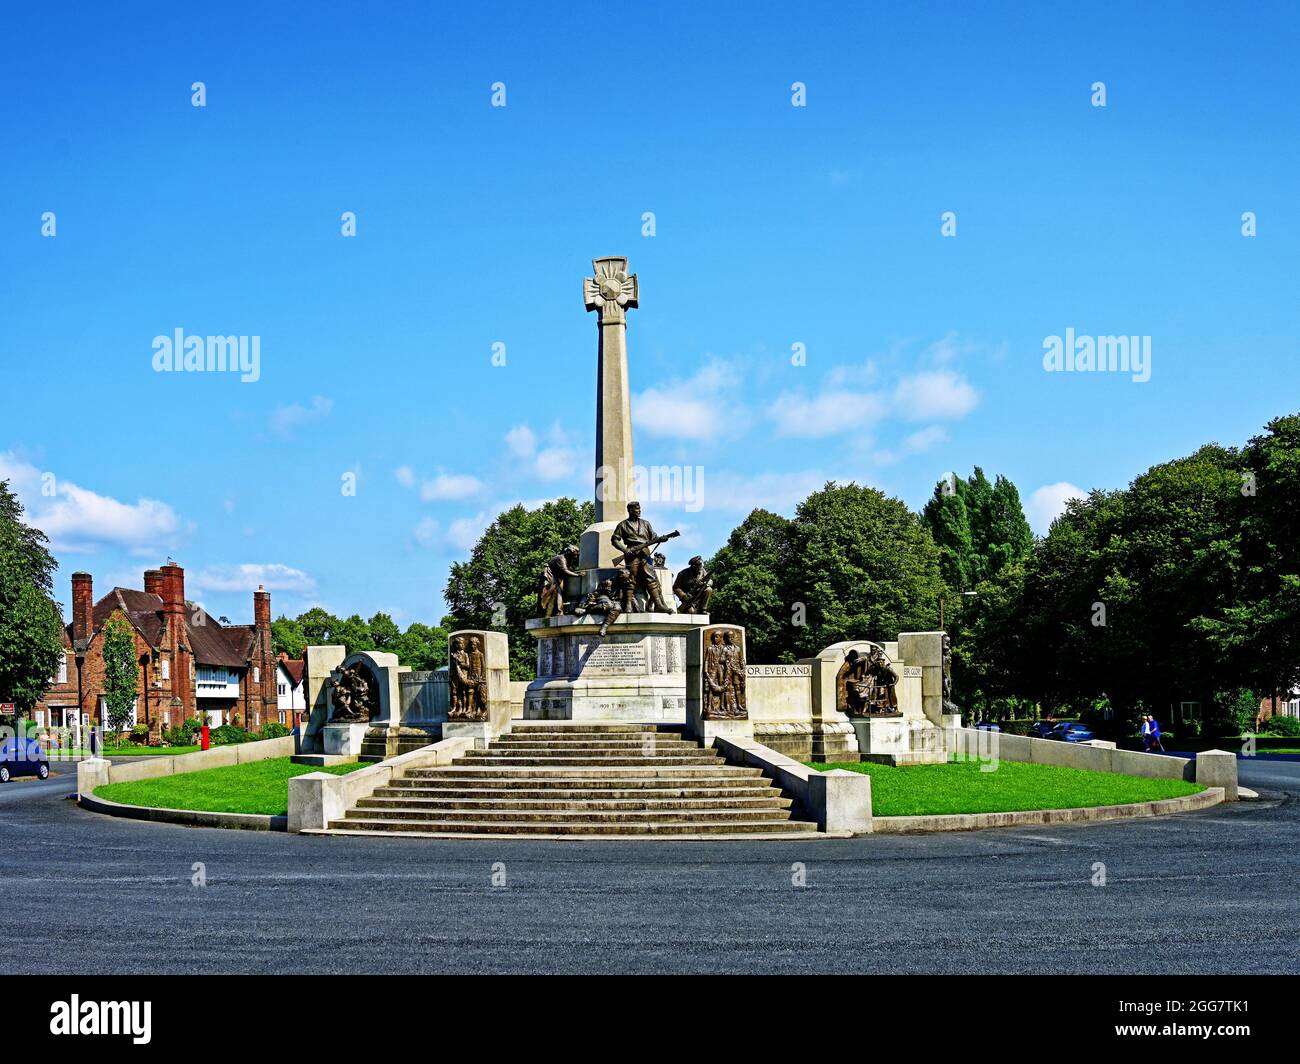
(166,667)
(62,676)
(281,690)
(281,716)
(257,674)
(1189,710)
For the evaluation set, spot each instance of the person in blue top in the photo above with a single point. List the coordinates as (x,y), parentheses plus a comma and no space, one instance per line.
(1155,736)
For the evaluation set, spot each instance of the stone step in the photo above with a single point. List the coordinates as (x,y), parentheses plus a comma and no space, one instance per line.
(595,742)
(494,760)
(511,772)
(566,807)
(635,750)
(568,816)
(563,728)
(611,790)
(380,825)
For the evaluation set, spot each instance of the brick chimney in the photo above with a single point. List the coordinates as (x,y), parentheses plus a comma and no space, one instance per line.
(153,582)
(83,606)
(261,608)
(173,588)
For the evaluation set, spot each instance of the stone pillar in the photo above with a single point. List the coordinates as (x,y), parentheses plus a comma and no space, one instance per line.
(703,668)
(494,719)
(1218,768)
(925,650)
(318,663)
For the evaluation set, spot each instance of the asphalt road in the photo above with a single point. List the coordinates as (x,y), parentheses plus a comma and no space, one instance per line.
(1203,892)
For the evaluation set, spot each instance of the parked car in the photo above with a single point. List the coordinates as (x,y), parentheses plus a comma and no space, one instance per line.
(987,725)
(23,757)
(1071,731)
(1041,728)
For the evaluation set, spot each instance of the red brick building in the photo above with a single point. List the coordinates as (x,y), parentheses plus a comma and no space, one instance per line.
(187,662)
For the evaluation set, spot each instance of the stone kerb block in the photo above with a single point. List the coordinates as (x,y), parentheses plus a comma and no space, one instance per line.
(699,723)
(1218,768)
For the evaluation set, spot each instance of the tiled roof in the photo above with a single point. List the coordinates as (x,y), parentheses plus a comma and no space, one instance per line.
(211,642)
(293,668)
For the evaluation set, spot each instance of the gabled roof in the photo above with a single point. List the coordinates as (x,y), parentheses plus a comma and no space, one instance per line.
(211,642)
(293,668)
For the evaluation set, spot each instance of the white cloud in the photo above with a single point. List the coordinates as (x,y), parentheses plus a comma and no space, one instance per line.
(289,417)
(1047,503)
(828,414)
(701,407)
(779,492)
(450,486)
(556,463)
(522,441)
(426,532)
(931,394)
(405,476)
(464,532)
(247,577)
(79,520)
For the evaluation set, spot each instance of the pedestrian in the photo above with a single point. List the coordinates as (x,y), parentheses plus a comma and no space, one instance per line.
(1146,733)
(1155,736)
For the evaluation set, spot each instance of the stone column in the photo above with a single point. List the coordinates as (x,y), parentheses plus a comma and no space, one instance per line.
(319,663)
(611,293)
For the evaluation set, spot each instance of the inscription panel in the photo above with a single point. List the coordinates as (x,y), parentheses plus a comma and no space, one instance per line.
(616,659)
(778,670)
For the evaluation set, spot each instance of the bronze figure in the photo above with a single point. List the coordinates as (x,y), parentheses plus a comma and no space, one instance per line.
(723,676)
(550,588)
(949,706)
(693,587)
(864,686)
(467,679)
(354,695)
(603,601)
(635,539)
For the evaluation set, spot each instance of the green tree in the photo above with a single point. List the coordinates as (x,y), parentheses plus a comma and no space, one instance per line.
(497,587)
(978,526)
(119,673)
(421,647)
(288,637)
(319,627)
(948,520)
(354,634)
(750,585)
(30,623)
(383,632)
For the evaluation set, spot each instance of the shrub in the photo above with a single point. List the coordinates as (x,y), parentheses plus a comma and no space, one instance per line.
(228,734)
(273,730)
(140,734)
(1285,726)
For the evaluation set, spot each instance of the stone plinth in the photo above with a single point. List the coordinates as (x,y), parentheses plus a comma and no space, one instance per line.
(698,724)
(496,672)
(898,741)
(344,739)
(636,673)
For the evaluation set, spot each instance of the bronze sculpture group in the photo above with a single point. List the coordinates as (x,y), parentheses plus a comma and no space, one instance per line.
(354,695)
(724,676)
(864,686)
(467,679)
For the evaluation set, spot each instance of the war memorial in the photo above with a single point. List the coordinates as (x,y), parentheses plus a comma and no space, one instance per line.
(644,715)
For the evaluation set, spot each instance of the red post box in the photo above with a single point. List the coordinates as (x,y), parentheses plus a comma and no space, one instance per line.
(203,732)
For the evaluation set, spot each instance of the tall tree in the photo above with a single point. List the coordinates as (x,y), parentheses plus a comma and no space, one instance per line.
(119,673)
(30,622)
(319,627)
(421,647)
(497,587)
(383,632)
(750,580)
(288,637)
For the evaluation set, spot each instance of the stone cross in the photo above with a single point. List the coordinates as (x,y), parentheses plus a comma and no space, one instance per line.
(611,293)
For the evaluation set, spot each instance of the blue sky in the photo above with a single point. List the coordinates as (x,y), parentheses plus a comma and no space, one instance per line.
(775,225)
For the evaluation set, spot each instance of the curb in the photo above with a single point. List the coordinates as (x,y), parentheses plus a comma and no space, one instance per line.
(902,825)
(195,818)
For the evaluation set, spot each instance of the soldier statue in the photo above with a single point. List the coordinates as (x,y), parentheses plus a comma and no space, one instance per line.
(636,538)
(550,588)
(694,587)
(603,601)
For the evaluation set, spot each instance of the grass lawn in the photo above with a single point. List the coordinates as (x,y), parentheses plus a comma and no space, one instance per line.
(960,787)
(257,787)
(128,750)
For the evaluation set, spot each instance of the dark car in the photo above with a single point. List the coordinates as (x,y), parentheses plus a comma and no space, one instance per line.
(987,725)
(1071,731)
(22,757)
(1040,729)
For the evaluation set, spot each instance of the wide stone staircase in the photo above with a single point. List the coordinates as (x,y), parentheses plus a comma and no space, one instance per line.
(549,778)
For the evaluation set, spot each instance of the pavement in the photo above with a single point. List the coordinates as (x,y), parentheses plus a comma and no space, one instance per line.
(1206,892)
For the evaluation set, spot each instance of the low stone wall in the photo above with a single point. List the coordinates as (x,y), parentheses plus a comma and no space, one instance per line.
(317,798)
(838,800)
(95,772)
(198,818)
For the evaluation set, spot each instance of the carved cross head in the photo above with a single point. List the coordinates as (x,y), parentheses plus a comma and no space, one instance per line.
(612,291)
